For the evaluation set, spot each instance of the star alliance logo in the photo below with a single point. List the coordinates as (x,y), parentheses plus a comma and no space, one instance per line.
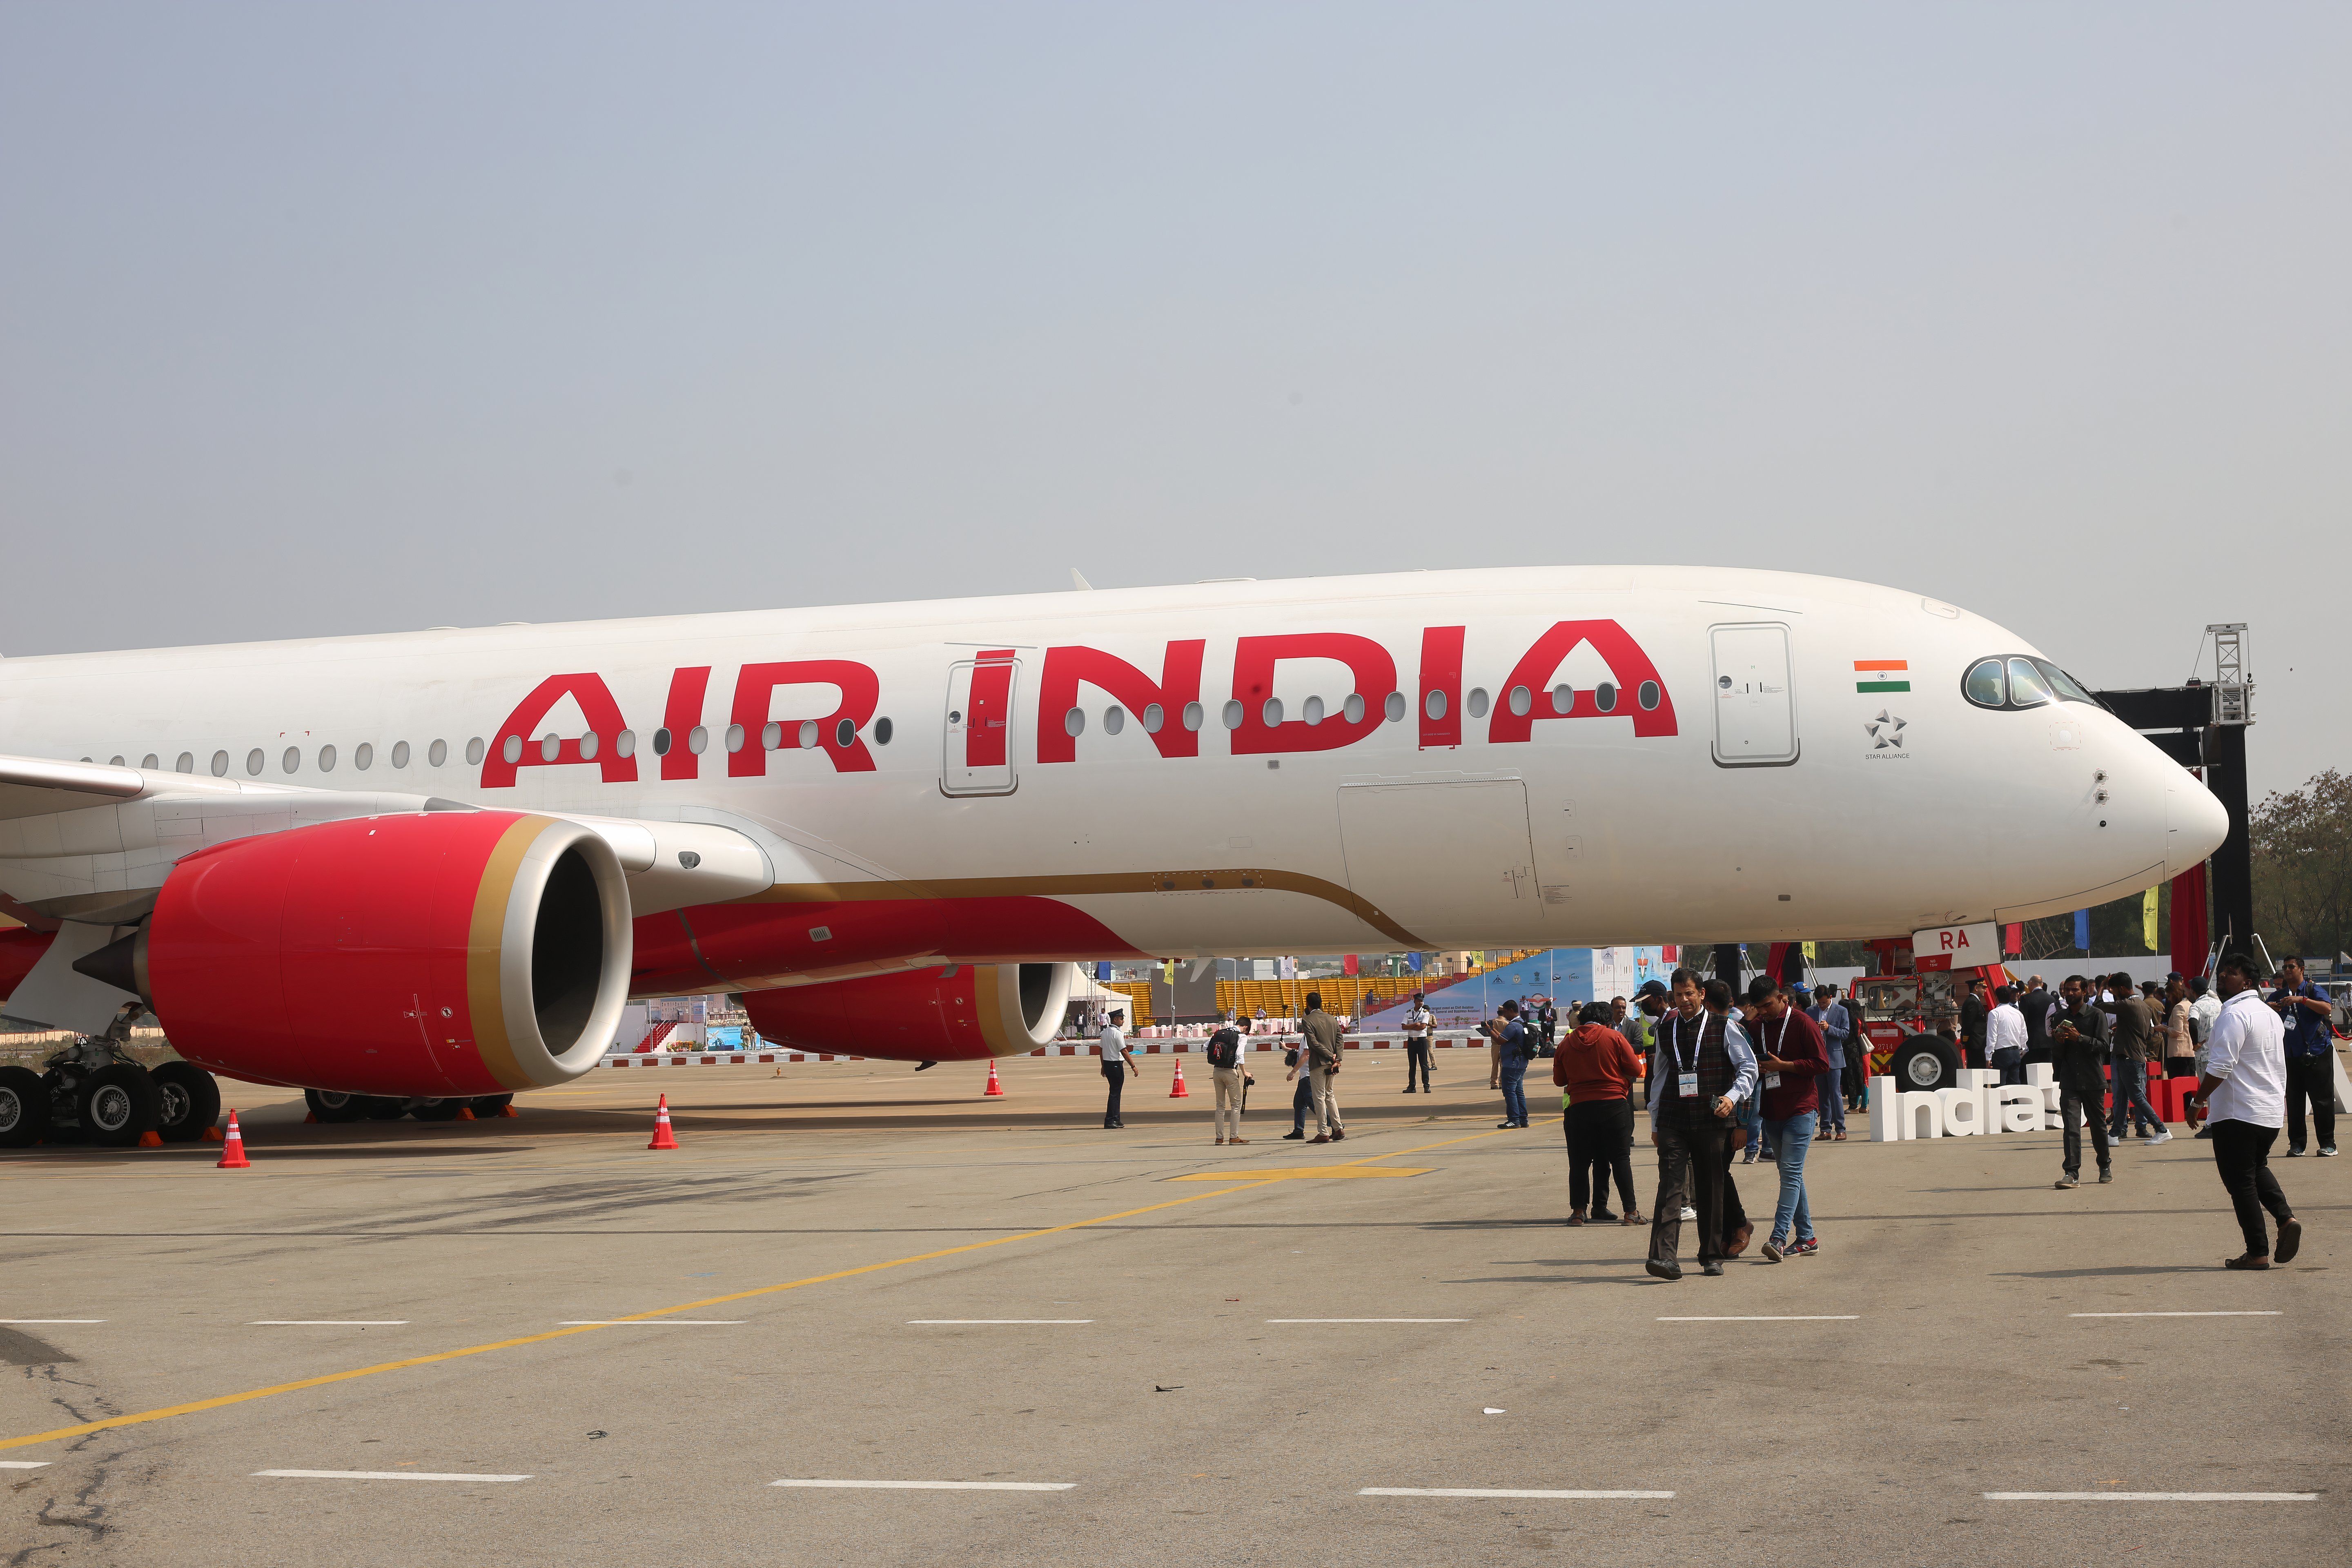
(1885,732)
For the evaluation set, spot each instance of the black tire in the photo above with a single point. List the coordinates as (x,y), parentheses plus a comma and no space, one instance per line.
(484,1106)
(383,1107)
(437,1110)
(1924,1064)
(187,1101)
(23,1108)
(334,1105)
(116,1104)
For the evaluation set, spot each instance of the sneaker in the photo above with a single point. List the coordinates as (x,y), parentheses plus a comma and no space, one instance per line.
(1806,1248)
(1287,1136)
(1658,1270)
(1505,1126)
(1713,1268)
(1771,1250)
(2290,1240)
(2294,1151)
(2327,1151)
(1689,1213)
(2106,1173)
(2204,1133)
(2063,1183)
(2162,1136)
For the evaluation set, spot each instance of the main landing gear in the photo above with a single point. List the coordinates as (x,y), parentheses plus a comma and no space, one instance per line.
(334,1105)
(95,1092)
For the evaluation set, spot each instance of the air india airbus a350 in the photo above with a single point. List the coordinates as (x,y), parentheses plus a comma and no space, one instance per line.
(433,865)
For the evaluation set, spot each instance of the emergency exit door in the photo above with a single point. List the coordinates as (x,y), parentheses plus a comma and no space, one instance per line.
(978,753)
(1755,707)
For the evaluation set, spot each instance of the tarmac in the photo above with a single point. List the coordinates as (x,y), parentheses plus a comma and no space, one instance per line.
(864,1315)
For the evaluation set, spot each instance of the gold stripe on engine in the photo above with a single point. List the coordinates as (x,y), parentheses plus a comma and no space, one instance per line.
(486,951)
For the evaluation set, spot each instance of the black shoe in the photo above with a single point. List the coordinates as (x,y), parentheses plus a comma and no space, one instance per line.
(2289,1241)
(2295,1151)
(1710,1269)
(1602,1217)
(2106,1173)
(1408,1088)
(1287,1136)
(1663,1270)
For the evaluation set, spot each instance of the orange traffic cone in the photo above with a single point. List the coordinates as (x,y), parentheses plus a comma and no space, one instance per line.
(995,1090)
(662,1138)
(1177,1090)
(151,1139)
(212,1135)
(232,1149)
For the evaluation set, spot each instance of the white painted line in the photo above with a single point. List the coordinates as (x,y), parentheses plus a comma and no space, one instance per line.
(52,1319)
(23,1464)
(2176,1314)
(939,1486)
(326,1322)
(1503,1491)
(1824,1318)
(2151,1496)
(652,1322)
(935,1322)
(384,1476)
(1368,1320)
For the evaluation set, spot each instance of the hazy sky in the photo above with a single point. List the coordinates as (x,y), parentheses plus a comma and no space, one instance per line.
(317,319)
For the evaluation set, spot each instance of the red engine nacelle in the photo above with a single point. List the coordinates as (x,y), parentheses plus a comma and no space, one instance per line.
(443,954)
(962,1012)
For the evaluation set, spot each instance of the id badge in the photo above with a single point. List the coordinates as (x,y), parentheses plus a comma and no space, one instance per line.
(1771,1081)
(1686,1086)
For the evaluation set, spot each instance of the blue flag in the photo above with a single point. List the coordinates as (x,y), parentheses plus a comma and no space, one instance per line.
(1102,972)
(1413,962)
(2083,929)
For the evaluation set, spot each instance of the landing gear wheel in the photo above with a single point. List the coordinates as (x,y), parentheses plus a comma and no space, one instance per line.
(484,1106)
(23,1108)
(187,1101)
(383,1107)
(1924,1064)
(437,1110)
(116,1104)
(334,1105)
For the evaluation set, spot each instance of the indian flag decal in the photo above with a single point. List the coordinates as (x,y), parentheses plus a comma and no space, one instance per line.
(1882,675)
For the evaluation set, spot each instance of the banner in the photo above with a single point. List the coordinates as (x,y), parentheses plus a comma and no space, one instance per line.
(2083,929)
(1348,964)
(1102,972)
(2147,919)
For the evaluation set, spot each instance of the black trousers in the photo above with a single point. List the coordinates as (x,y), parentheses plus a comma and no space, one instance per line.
(1416,1058)
(1114,1076)
(2070,1105)
(2241,1152)
(1735,1212)
(1691,1170)
(2312,1075)
(1600,1140)
(1855,1051)
(1302,1100)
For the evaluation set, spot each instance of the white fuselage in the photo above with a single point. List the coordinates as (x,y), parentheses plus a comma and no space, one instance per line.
(1789,794)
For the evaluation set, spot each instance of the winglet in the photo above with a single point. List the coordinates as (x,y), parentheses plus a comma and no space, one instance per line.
(1079,581)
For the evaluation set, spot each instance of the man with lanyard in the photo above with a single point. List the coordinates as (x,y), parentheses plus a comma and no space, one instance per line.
(1795,1064)
(1116,1064)
(1418,1021)
(1702,1070)
(2304,1011)
(1518,1043)
(2243,1091)
(1837,1027)
(2078,1053)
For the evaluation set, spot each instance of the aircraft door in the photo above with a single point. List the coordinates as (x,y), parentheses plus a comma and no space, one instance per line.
(1453,862)
(978,753)
(1755,705)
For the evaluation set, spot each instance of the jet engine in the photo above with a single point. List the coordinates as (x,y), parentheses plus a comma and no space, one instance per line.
(957,1012)
(441,955)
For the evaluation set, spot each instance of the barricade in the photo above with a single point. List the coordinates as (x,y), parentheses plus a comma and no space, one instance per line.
(1059,1048)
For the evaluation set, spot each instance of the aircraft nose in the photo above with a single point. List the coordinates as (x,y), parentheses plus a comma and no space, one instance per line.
(2197,821)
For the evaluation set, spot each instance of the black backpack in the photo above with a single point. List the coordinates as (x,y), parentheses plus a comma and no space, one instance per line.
(1224,1049)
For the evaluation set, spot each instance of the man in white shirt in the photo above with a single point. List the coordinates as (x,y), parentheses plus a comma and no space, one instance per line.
(2005,1036)
(2244,1091)
(1116,1064)
(1418,1020)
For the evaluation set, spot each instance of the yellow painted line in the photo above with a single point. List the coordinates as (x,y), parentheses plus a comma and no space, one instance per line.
(220,1402)
(1300,1173)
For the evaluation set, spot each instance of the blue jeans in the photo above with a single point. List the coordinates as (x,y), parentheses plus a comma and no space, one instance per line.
(1751,1117)
(1833,1087)
(1515,1091)
(1790,1141)
(2129,1081)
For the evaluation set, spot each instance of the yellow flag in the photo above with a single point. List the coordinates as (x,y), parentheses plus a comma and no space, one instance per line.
(2147,919)
(1808,954)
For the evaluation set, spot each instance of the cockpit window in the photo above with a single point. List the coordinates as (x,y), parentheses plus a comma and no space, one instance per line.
(2019,682)
(2026,687)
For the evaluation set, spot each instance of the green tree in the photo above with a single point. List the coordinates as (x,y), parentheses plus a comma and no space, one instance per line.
(2301,846)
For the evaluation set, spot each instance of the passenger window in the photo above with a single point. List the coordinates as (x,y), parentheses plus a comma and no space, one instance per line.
(843,735)
(1154,717)
(1074,723)
(1983,685)
(550,747)
(220,764)
(808,734)
(1272,712)
(438,755)
(364,756)
(625,743)
(1521,701)
(513,749)
(1194,716)
(475,749)
(590,744)
(1312,711)
(1114,720)
(1563,699)
(292,760)
(1604,697)
(186,765)
(1434,706)
(151,760)
(1233,713)
(734,738)
(115,761)
(1353,709)
(698,738)
(661,742)
(1394,708)
(252,761)
(1477,702)
(1649,696)
(882,730)
(772,736)
(400,753)
(326,759)
(2026,687)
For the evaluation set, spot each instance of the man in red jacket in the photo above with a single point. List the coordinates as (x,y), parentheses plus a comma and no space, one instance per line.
(1793,1057)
